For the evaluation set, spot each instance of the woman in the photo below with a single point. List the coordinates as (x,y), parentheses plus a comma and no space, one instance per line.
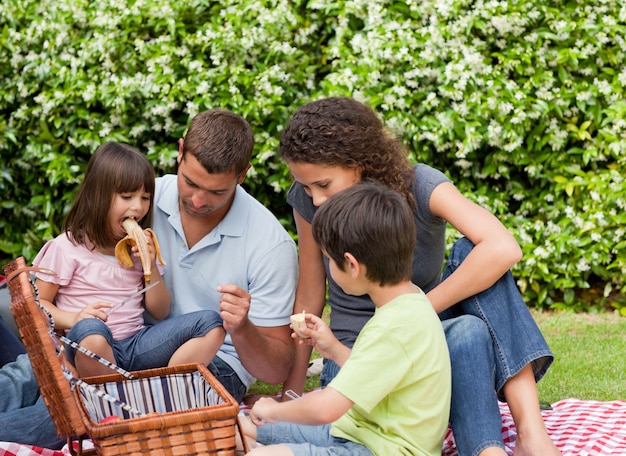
(495,345)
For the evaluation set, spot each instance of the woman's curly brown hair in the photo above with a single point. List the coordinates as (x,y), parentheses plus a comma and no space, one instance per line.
(340,131)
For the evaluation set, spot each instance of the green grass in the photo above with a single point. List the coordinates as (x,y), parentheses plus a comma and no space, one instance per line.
(590,358)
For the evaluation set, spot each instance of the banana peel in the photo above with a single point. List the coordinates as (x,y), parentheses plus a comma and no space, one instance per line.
(137,237)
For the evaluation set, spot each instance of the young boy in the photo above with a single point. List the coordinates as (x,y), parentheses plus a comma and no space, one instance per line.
(392,394)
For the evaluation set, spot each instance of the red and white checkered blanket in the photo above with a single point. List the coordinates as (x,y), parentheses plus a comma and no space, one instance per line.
(577,427)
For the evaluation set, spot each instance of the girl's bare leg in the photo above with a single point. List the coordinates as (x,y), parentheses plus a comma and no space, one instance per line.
(89,367)
(199,350)
(523,400)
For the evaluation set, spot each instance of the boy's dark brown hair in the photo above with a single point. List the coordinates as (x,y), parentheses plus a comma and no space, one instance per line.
(373,223)
(220,140)
(113,168)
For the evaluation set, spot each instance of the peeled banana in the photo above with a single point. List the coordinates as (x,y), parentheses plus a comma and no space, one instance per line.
(136,236)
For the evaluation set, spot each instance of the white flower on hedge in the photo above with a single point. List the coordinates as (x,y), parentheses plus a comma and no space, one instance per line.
(505,108)
(105,130)
(89,93)
(582,265)
(203,88)
(518,117)
(137,130)
(541,252)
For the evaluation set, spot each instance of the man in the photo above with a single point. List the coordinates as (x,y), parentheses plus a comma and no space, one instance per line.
(225,251)
(24,417)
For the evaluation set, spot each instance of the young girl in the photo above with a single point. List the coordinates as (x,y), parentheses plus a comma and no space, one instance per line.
(89,281)
(495,345)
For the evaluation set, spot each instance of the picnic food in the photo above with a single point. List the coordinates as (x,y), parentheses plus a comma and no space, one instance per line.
(298,323)
(136,236)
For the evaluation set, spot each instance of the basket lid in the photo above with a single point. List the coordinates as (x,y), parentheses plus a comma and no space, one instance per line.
(33,329)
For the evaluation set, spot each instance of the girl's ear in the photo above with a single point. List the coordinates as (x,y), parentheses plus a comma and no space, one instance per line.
(353,264)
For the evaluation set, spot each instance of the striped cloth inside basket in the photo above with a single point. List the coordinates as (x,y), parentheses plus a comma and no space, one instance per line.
(160,394)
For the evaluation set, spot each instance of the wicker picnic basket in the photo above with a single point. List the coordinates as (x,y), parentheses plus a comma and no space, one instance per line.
(200,419)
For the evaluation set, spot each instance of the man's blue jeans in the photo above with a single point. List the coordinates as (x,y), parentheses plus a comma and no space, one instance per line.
(10,345)
(24,417)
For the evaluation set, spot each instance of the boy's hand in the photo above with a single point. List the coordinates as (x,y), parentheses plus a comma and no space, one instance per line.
(318,335)
(261,411)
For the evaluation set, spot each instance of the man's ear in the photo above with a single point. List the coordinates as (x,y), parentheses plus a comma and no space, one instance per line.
(181,143)
(242,175)
(353,264)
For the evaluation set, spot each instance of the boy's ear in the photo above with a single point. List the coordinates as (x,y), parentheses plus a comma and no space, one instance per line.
(353,264)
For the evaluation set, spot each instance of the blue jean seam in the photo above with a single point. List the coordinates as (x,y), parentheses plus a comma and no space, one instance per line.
(488,444)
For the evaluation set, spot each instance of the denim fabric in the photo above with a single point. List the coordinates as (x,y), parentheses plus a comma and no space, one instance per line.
(18,386)
(228,378)
(154,345)
(24,417)
(474,413)
(309,440)
(329,371)
(485,352)
(516,337)
(10,345)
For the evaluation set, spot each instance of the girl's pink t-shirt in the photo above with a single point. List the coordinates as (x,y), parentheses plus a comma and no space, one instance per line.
(85,276)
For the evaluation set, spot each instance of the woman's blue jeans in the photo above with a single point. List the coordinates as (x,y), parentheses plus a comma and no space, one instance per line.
(491,336)
(480,370)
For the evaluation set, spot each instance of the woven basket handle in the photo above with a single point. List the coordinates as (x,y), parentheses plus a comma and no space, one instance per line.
(21,269)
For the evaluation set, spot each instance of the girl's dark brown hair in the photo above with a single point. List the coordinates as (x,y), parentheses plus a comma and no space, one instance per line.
(340,131)
(113,168)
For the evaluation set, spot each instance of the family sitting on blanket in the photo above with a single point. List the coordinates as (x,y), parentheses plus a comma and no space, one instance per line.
(225,251)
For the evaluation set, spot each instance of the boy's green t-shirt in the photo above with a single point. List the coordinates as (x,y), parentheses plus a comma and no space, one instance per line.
(398,376)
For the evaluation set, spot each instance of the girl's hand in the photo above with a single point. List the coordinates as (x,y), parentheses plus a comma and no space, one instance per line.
(151,248)
(95,310)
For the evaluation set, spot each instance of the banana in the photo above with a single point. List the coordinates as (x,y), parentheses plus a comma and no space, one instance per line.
(136,236)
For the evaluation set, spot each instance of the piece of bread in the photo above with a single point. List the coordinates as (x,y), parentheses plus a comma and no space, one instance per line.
(298,323)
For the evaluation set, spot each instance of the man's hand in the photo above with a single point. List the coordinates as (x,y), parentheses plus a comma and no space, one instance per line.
(234,307)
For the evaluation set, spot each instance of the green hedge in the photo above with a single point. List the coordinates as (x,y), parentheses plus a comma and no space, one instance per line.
(520,103)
